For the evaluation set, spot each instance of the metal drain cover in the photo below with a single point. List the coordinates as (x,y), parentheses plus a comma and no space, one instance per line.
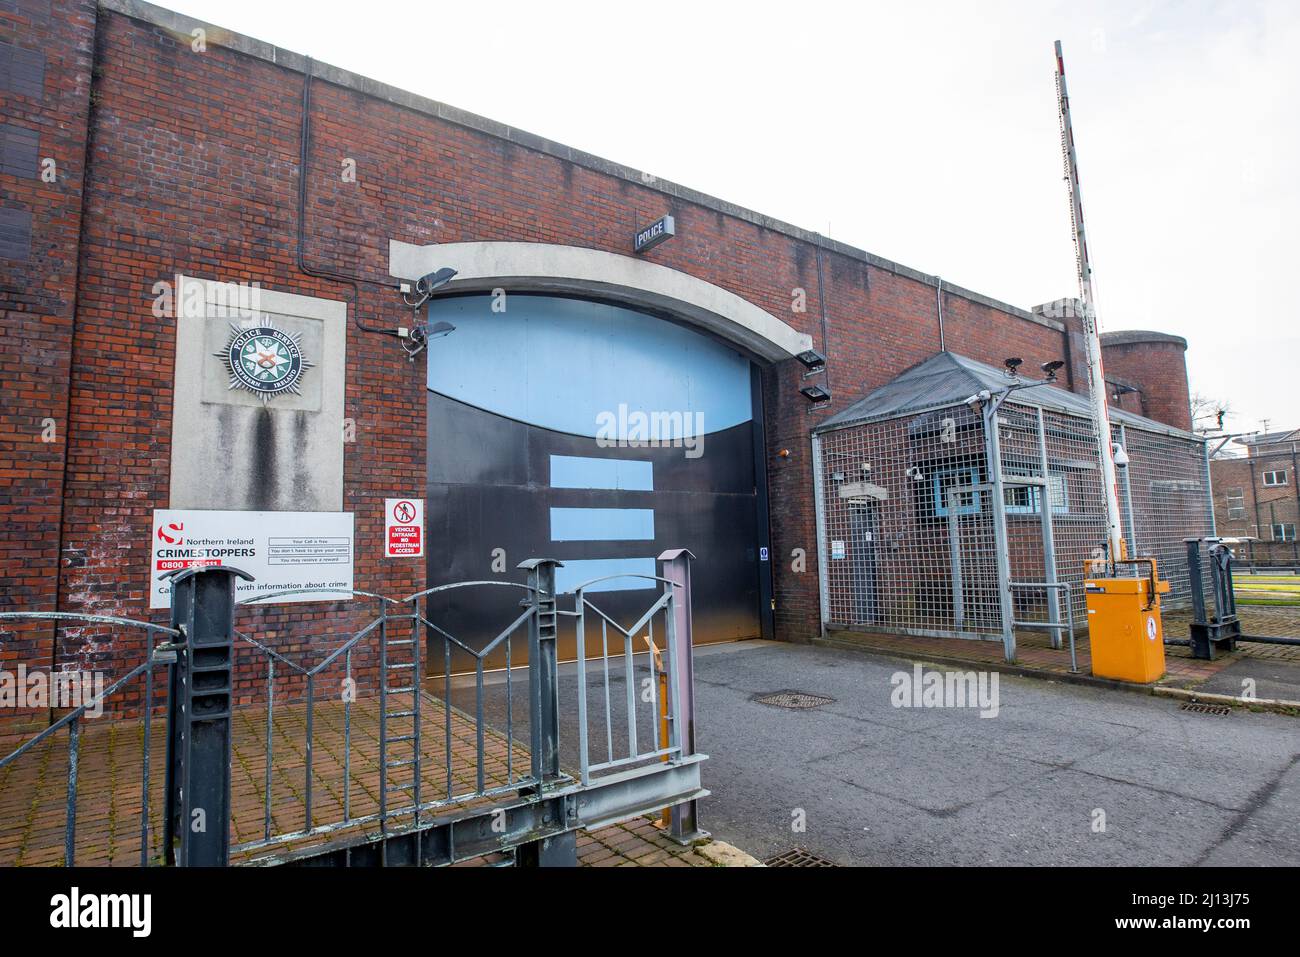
(793,699)
(798,858)
(1196,707)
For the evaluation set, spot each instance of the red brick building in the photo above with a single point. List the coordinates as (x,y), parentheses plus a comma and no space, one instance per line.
(1147,375)
(140,146)
(1255,498)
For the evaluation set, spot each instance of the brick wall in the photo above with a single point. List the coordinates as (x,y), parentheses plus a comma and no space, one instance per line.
(194,161)
(1263,505)
(45,80)
(1154,364)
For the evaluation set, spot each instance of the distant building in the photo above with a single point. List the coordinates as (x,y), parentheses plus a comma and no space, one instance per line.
(1256,497)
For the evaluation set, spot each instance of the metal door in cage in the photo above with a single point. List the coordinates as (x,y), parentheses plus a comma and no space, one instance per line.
(864,534)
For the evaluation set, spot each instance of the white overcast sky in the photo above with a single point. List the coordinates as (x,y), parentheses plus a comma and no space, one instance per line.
(923,132)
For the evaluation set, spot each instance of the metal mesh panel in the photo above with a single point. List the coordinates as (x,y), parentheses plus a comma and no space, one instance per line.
(908,543)
(1168,483)
(1079,519)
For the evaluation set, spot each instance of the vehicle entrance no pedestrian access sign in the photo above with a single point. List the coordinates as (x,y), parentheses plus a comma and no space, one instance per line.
(403,527)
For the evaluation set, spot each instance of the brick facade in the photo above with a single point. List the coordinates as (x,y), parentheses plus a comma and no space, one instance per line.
(47,51)
(1152,365)
(1244,507)
(194,169)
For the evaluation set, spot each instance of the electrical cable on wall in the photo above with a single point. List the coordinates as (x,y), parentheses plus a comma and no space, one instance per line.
(304,139)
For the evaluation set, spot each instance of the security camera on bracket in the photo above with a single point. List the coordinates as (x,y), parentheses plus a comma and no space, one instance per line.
(425,286)
(1050,368)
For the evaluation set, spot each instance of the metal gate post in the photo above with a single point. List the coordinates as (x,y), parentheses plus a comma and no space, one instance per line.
(677,569)
(1046,511)
(544,711)
(1001,544)
(543,692)
(197,816)
(1128,496)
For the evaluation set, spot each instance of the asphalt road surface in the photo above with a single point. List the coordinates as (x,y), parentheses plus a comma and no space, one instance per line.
(871,783)
(886,785)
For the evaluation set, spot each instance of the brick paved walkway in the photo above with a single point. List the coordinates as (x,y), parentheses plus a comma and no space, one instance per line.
(1034,651)
(109,805)
(636,843)
(33,789)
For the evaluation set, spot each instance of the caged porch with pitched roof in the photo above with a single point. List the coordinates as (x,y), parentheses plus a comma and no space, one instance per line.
(962,500)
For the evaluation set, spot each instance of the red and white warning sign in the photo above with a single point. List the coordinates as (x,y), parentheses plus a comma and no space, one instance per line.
(403,527)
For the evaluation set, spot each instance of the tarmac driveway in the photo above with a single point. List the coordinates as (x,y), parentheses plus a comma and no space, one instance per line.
(885,785)
(871,783)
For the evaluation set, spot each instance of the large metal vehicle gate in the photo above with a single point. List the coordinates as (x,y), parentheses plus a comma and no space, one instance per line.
(357,759)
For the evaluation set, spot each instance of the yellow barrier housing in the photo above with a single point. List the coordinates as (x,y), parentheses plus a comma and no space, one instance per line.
(1124,627)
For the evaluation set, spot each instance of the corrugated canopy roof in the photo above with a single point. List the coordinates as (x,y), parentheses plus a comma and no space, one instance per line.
(947,379)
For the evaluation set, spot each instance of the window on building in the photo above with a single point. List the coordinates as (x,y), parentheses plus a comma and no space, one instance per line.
(1275,478)
(1023,499)
(968,503)
(1236,501)
(1283,531)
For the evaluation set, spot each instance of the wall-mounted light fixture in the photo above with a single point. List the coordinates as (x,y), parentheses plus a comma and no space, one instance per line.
(813,361)
(1122,390)
(816,395)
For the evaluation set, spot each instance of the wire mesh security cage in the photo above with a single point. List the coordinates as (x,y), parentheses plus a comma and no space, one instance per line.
(949,506)
(908,535)
(1165,498)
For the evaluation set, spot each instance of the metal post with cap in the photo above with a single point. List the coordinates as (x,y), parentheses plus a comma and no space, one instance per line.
(560,850)
(677,569)
(197,818)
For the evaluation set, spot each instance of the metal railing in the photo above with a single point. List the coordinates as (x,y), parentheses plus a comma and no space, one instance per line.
(659,749)
(1053,623)
(394,639)
(162,655)
(207,657)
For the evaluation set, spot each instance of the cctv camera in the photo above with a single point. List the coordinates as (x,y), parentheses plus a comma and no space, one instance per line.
(915,474)
(1121,457)
(427,284)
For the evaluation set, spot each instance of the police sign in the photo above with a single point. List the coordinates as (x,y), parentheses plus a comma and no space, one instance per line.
(654,234)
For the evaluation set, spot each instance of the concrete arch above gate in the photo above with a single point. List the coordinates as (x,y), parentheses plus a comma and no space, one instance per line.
(576,271)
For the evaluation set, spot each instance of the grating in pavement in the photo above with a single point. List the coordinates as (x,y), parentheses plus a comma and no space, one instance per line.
(798,857)
(793,699)
(1196,707)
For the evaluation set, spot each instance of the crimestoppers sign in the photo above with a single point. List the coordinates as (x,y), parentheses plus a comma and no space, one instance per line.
(403,527)
(283,551)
